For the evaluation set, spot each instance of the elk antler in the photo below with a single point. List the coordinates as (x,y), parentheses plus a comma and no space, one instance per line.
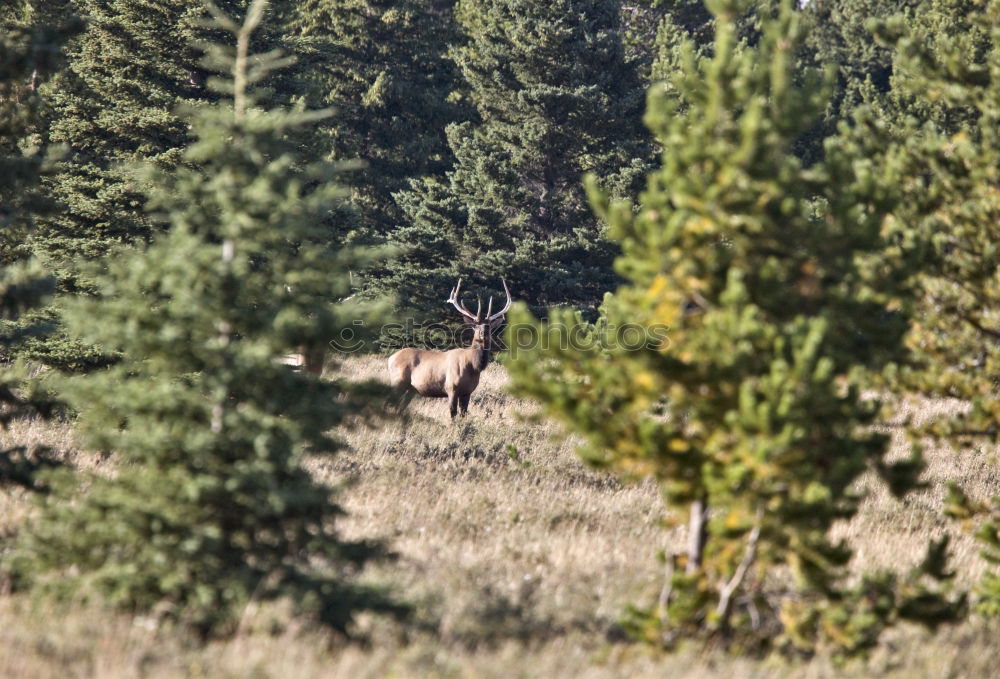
(502,311)
(454,301)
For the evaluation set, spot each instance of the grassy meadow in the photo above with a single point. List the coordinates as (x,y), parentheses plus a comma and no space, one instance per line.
(517,559)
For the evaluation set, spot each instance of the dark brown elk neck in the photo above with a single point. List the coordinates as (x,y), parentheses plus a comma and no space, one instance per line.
(479,356)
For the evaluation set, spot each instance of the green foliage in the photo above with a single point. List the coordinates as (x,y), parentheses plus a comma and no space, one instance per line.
(749,413)
(380,64)
(112,105)
(691,23)
(840,35)
(946,228)
(29,51)
(923,38)
(383,65)
(115,104)
(210,507)
(647,21)
(556,97)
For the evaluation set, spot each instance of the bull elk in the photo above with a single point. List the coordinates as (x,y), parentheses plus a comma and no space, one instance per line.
(453,374)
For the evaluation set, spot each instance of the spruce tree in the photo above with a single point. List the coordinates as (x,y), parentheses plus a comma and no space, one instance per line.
(383,65)
(210,507)
(112,105)
(115,104)
(764,303)
(29,53)
(556,98)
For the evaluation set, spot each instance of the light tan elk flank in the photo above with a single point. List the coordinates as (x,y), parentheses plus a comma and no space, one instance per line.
(308,359)
(453,374)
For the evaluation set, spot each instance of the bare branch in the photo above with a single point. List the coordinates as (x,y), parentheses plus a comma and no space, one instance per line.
(240,81)
(663,603)
(697,526)
(221,17)
(726,594)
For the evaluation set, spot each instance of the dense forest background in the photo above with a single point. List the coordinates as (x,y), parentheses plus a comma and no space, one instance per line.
(463,129)
(803,196)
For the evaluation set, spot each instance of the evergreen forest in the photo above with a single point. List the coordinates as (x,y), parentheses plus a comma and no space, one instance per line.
(733,405)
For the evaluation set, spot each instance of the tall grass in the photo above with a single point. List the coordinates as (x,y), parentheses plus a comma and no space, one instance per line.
(517,558)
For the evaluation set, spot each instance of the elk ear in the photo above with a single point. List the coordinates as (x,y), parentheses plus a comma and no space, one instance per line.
(495,323)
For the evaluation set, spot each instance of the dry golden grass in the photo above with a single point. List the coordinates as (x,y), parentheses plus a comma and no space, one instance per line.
(517,558)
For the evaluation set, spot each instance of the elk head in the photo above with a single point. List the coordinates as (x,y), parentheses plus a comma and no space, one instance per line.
(483,324)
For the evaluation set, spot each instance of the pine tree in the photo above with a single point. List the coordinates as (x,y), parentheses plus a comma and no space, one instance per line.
(648,23)
(841,36)
(29,52)
(946,233)
(556,97)
(763,301)
(938,25)
(210,506)
(383,65)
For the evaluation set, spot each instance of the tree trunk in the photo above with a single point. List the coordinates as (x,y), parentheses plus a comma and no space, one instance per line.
(697,533)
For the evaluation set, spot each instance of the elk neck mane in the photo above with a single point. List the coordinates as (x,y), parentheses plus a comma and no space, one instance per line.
(480,357)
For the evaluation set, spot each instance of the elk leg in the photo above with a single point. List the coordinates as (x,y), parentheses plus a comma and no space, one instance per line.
(463,402)
(453,404)
(408,395)
(399,398)
(312,359)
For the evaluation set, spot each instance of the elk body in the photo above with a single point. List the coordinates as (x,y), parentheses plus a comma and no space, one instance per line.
(448,374)
(308,359)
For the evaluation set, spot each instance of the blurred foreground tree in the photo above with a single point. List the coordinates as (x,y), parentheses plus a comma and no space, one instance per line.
(112,105)
(764,303)
(210,507)
(116,104)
